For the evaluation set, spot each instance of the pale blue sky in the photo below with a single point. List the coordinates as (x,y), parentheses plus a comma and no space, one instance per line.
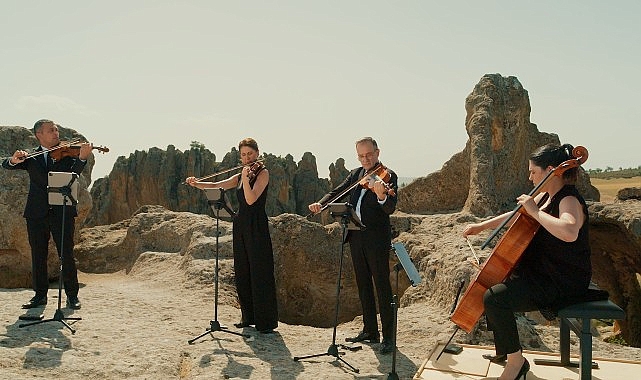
(315,76)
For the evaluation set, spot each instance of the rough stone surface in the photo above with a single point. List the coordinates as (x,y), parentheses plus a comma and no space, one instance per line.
(492,170)
(155,177)
(629,193)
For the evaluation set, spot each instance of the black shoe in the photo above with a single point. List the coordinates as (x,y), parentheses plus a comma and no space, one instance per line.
(495,358)
(364,336)
(386,347)
(525,368)
(73,303)
(242,324)
(35,302)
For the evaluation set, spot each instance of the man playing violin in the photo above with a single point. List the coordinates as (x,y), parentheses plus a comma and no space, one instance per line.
(44,220)
(373,202)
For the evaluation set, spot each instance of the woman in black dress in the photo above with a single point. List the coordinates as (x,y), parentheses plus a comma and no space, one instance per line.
(253,254)
(555,268)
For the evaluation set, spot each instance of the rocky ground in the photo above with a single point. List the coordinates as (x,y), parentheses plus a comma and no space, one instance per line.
(137,326)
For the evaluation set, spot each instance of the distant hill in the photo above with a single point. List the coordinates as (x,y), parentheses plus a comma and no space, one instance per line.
(610,173)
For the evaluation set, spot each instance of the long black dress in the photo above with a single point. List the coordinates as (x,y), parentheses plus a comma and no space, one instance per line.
(254,263)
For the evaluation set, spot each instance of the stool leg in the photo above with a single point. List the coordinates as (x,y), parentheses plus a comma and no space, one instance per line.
(585,366)
(564,342)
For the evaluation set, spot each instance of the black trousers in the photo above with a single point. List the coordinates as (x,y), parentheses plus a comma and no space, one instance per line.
(254,273)
(39,231)
(371,262)
(501,301)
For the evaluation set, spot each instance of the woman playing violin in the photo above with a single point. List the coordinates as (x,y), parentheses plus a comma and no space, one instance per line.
(44,220)
(373,200)
(252,245)
(555,268)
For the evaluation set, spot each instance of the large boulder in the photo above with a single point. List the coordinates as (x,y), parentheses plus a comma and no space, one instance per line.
(155,177)
(15,251)
(306,258)
(492,170)
(615,239)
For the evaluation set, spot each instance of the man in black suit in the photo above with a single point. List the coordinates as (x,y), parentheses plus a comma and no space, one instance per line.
(374,200)
(44,220)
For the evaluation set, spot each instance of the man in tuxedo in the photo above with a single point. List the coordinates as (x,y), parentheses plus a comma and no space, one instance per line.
(370,247)
(44,220)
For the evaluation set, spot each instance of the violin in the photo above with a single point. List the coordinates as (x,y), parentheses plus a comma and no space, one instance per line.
(71,150)
(254,169)
(65,149)
(378,173)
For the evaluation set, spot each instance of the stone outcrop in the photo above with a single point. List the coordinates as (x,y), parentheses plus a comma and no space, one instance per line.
(492,170)
(15,252)
(615,239)
(155,177)
(629,193)
(306,258)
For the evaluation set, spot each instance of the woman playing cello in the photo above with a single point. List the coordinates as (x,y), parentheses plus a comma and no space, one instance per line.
(555,267)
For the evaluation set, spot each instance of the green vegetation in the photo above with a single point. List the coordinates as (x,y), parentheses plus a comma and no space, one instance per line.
(197,145)
(611,173)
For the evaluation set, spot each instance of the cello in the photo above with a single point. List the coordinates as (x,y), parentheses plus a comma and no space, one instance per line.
(507,251)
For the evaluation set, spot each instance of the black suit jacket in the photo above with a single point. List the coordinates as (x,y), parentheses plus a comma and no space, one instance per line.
(375,216)
(38,198)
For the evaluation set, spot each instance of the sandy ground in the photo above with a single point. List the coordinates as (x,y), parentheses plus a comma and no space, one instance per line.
(136,327)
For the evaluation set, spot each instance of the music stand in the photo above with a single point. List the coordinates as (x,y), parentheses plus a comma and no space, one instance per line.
(62,188)
(349,221)
(222,209)
(406,263)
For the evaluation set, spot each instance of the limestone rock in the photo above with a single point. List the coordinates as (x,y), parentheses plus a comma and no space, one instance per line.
(492,170)
(155,177)
(629,193)
(615,239)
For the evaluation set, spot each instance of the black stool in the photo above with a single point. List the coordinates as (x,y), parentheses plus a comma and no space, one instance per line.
(570,316)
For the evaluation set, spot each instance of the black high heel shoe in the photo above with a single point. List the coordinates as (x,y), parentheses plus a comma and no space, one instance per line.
(525,368)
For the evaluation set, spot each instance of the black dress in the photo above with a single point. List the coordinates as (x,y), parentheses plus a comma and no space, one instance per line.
(254,263)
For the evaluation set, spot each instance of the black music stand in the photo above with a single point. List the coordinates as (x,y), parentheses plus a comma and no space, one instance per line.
(349,221)
(62,188)
(222,209)
(406,263)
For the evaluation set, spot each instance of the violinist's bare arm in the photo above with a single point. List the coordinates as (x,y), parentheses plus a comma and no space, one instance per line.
(226,184)
(252,194)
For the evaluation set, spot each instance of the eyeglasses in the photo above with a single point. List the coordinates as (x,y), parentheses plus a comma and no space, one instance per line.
(368,155)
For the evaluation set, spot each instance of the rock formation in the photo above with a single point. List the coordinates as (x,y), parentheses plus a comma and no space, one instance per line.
(15,252)
(306,258)
(155,176)
(492,170)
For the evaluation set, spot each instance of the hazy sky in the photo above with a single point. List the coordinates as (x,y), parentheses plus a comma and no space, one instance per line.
(315,76)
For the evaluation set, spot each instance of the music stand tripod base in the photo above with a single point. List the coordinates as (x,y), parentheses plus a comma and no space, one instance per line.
(349,220)
(62,188)
(221,207)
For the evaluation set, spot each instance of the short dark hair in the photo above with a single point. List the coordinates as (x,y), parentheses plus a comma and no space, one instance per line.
(367,139)
(39,124)
(249,142)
